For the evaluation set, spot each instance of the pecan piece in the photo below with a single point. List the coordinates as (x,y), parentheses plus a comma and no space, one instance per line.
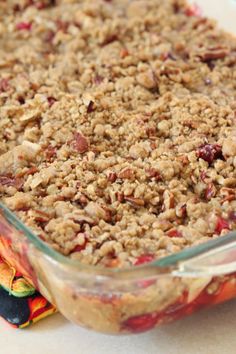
(120,197)
(9,180)
(50,152)
(152,173)
(169,200)
(112,177)
(228,194)
(109,39)
(213,54)
(210,191)
(80,143)
(127,173)
(135,201)
(4,85)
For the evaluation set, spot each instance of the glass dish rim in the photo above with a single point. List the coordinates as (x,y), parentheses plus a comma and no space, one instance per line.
(167,263)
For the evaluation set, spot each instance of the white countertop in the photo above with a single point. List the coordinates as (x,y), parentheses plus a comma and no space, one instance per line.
(208,332)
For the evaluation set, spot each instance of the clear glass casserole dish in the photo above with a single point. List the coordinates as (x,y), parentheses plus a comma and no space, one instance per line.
(129,300)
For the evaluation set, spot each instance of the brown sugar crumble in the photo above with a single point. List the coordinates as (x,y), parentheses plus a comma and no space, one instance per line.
(117,126)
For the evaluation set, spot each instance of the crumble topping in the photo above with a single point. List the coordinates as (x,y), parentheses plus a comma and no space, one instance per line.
(117,126)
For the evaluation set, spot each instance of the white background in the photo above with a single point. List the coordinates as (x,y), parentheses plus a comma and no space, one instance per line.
(208,332)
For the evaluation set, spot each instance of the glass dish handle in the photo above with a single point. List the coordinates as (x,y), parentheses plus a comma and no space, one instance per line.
(220,259)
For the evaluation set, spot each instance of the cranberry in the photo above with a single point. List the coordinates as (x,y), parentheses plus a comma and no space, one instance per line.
(221,225)
(141,323)
(145,258)
(24,26)
(51,101)
(174,233)
(210,152)
(232,216)
(193,10)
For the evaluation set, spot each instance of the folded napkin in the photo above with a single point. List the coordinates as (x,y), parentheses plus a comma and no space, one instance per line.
(20,303)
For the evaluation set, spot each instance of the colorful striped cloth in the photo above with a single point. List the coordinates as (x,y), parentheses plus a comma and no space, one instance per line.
(20,303)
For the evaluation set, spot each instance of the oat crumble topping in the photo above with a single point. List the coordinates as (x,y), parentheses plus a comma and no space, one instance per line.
(117,126)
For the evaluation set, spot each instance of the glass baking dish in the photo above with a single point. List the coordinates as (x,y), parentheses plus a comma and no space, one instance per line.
(134,300)
(120,301)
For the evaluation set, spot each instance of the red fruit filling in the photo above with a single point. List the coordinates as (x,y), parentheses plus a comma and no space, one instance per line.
(141,323)
(193,10)
(145,258)
(221,225)
(24,26)
(174,233)
(80,248)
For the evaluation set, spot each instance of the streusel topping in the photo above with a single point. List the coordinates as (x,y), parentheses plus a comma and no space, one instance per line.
(117,126)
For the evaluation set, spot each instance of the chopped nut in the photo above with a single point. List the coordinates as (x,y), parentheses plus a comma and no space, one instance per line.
(137,151)
(19,201)
(135,201)
(80,143)
(147,80)
(31,115)
(213,54)
(95,211)
(229,146)
(127,173)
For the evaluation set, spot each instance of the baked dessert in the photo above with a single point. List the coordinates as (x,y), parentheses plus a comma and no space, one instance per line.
(117,126)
